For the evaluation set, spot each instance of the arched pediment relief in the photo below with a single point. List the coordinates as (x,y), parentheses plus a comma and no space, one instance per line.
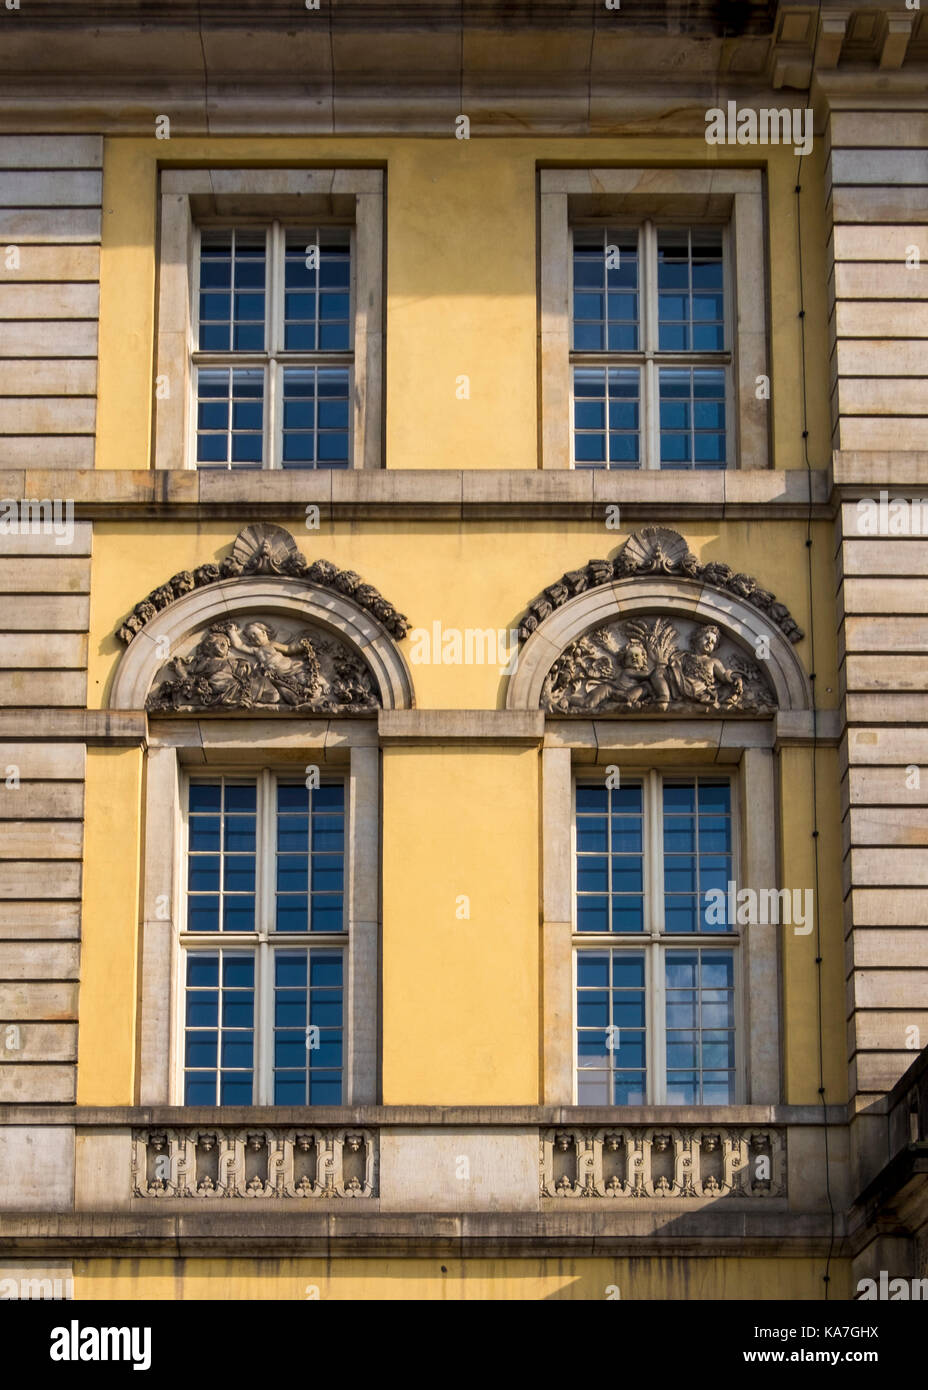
(656,550)
(655,666)
(261,549)
(264,666)
(658,646)
(264,642)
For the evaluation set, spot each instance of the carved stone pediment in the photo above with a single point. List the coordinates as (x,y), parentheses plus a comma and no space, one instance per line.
(264,666)
(655,665)
(261,549)
(657,550)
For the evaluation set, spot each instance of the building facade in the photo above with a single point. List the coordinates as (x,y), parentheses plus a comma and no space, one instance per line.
(465,660)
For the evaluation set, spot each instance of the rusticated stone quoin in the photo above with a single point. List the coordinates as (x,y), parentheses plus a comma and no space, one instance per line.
(261,549)
(656,550)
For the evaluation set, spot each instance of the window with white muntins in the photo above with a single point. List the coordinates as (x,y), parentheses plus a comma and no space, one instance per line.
(263,941)
(270,320)
(650,347)
(653,319)
(273,365)
(656,962)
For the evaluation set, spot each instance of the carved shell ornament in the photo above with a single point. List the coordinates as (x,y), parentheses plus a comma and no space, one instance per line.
(657,550)
(261,549)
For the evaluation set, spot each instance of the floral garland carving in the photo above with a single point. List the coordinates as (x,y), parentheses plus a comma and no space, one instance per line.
(263,549)
(657,550)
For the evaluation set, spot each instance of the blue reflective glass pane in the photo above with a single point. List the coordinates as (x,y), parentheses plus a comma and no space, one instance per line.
(203,913)
(592,914)
(323,1091)
(202,1049)
(292,797)
(292,913)
(327,913)
(627,970)
(203,873)
(240,796)
(592,1010)
(205,796)
(238,971)
(238,913)
(200,1088)
(293,834)
(593,969)
(235,1089)
(240,874)
(628,914)
(203,1009)
(204,833)
(292,873)
(591,834)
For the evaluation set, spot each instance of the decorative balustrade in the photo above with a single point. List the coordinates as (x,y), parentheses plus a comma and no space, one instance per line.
(663,1161)
(254,1162)
(621,1161)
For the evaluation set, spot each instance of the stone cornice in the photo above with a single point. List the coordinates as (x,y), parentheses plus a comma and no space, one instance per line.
(604,1231)
(513,67)
(426,494)
(417,1116)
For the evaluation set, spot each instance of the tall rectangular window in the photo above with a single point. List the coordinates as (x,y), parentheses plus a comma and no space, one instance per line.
(650,347)
(274,337)
(656,1013)
(265,869)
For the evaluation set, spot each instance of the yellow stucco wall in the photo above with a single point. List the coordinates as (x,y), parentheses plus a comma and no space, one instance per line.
(461,1020)
(460,935)
(110,936)
(628,1280)
(463,575)
(461,1016)
(461,281)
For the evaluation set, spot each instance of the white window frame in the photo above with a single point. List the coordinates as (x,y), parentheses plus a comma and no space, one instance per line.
(301,198)
(665,196)
(654,941)
(648,359)
(171,760)
(274,358)
(263,941)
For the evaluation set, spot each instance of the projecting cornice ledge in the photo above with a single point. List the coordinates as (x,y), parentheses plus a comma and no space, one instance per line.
(447,726)
(434,494)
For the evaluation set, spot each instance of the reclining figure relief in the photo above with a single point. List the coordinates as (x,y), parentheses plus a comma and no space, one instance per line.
(257,667)
(643,665)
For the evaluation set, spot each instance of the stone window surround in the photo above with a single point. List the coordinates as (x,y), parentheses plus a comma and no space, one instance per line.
(685,745)
(753,782)
(350,196)
(290,599)
(735,195)
(172,756)
(248,744)
(651,779)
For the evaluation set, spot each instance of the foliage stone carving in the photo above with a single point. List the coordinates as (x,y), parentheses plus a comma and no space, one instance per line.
(657,550)
(648,665)
(261,549)
(260,667)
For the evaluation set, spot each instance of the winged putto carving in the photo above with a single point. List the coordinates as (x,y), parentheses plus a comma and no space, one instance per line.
(261,667)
